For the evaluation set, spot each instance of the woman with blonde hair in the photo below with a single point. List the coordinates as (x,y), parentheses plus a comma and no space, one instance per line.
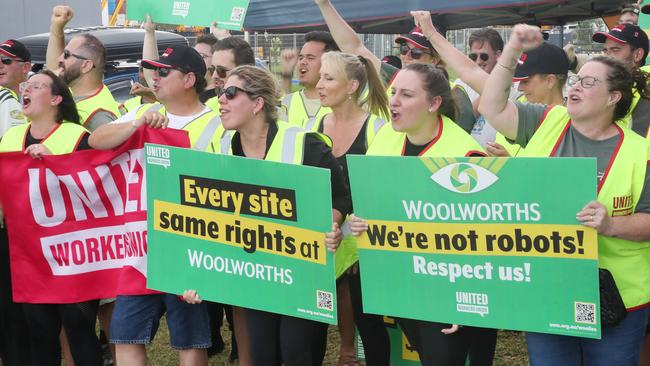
(351,87)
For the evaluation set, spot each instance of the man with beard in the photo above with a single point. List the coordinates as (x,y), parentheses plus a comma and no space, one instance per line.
(229,53)
(304,104)
(629,43)
(81,65)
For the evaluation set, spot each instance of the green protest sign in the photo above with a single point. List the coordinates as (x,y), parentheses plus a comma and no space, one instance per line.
(479,241)
(228,14)
(240,231)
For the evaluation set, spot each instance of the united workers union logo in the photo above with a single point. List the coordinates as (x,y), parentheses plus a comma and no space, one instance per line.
(471,176)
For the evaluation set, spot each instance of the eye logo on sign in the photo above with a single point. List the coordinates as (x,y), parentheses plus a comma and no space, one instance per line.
(464,177)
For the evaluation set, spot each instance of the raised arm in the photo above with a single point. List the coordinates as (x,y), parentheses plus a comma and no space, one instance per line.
(466,70)
(61,15)
(346,38)
(495,106)
(149,48)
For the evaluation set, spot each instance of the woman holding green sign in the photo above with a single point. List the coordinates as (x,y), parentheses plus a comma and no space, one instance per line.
(423,111)
(352,125)
(599,95)
(248,108)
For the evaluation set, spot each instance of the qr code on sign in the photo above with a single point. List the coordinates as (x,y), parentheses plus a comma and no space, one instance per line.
(237,14)
(324,300)
(585,312)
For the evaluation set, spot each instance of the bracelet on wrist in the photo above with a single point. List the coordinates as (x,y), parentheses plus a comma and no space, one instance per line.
(287,75)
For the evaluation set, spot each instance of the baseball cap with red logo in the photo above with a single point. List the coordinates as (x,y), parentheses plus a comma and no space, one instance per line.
(625,34)
(415,38)
(15,49)
(183,58)
(545,59)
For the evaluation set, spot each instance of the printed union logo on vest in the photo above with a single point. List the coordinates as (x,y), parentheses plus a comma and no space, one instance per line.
(181,8)
(157,155)
(463,178)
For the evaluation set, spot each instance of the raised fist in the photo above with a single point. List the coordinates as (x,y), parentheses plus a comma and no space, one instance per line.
(61,15)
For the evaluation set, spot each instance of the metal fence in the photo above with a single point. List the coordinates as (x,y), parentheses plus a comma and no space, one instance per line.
(268,46)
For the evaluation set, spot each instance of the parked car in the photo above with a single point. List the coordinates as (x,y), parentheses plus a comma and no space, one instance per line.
(123,50)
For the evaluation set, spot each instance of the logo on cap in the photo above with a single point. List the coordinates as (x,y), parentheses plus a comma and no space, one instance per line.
(167,52)
(522,59)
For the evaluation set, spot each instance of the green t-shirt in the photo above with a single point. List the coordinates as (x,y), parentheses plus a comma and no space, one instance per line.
(575,144)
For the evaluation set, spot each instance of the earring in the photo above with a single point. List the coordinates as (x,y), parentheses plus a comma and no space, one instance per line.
(349,96)
(254,113)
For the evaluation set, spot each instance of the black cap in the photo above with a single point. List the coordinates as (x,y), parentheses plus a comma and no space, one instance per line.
(545,59)
(180,57)
(416,38)
(625,34)
(15,49)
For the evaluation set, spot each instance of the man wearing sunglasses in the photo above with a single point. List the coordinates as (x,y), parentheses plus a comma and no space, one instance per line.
(80,64)
(178,79)
(229,53)
(14,340)
(14,66)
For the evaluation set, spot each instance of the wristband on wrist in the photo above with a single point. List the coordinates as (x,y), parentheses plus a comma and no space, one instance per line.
(287,75)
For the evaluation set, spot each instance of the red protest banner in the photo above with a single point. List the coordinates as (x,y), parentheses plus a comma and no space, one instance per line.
(78,223)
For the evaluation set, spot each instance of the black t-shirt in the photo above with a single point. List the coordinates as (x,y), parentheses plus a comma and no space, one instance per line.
(359,147)
(411,149)
(316,154)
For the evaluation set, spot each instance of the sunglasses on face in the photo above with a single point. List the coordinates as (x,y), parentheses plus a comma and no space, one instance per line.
(416,53)
(67,54)
(165,71)
(221,71)
(8,61)
(483,56)
(231,92)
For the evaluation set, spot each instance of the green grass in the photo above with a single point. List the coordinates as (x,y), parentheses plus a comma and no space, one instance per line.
(511,349)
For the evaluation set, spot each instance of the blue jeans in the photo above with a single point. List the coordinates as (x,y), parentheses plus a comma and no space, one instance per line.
(620,345)
(136,319)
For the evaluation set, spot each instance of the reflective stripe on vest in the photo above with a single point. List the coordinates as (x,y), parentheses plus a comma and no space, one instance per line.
(375,123)
(287,147)
(451,141)
(621,185)
(203,133)
(296,111)
(102,100)
(62,140)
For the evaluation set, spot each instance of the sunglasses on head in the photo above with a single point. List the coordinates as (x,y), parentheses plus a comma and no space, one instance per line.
(8,61)
(416,53)
(483,56)
(231,92)
(221,71)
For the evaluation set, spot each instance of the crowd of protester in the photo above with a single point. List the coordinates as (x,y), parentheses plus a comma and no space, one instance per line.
(520,97)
